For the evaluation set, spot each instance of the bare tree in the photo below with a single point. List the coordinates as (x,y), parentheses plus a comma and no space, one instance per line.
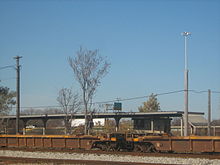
(6,100)
(70,105)
(88,68)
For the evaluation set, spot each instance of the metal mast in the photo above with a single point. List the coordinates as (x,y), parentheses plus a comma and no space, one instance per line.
(186,85)
(209,113)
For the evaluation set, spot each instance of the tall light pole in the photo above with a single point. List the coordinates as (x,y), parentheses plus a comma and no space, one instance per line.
(17,93)
(186,104)
(209,113)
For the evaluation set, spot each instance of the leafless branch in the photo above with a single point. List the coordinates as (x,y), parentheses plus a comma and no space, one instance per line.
(70,104)
(88,68)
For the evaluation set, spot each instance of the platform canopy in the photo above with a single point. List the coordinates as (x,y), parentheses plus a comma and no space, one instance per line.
(105,115)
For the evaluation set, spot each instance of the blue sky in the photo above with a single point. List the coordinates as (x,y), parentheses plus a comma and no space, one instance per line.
(141,39)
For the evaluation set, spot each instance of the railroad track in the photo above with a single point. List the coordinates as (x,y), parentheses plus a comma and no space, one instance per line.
(99,152)
(12,160)
(58,156)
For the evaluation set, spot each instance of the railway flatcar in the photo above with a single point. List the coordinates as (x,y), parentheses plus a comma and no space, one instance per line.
(48,141)
(116,142)
(181,144)
(160,143)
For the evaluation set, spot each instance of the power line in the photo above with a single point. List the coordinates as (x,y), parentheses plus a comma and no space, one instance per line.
(141,97)
(215,91)
(43,106)
(126,99)
(4,67)
(195,91)
(198,92)
(160,94)
(109,101)
(10,78)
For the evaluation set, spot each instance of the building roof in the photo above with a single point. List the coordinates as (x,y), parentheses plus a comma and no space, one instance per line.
(197,120)
(106,115)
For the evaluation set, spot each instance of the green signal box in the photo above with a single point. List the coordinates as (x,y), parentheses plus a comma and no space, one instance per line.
(117,106)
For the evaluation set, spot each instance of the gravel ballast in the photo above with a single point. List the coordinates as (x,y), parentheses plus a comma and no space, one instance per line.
(108,157)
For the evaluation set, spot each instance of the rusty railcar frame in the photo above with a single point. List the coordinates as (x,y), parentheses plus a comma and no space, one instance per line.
(188,144)
(47,141)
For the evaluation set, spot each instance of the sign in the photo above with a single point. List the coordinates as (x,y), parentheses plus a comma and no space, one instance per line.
(117,106)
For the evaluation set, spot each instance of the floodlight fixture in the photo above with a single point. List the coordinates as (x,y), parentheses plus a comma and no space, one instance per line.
(186,33)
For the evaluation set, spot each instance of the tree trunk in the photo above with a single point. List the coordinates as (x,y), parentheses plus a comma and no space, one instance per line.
(86,112)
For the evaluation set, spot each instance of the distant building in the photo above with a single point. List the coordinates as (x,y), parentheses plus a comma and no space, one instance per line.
(96,122)
(198,125)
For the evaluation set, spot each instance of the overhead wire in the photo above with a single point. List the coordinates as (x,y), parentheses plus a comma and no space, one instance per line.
(5,79)
(125,99)
(111,101)
(215,91)
(195,91)
(8,66)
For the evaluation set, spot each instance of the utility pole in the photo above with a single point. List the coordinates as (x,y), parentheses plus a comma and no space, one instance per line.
(209,113)
(186,86)
(17,93)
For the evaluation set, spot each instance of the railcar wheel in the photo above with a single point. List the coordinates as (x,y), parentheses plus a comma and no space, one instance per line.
(103,147)
(137,148)
(153,149)
(150,148)
(144,147)
(110,148)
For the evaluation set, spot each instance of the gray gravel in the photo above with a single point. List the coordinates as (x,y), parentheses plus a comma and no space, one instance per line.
(105,157)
